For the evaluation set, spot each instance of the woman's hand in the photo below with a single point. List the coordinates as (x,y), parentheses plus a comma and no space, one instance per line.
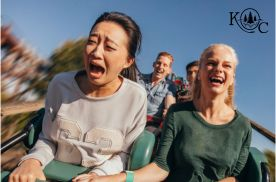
(229,179)
(93,177)
(121,177)
(85,177)
(28,171)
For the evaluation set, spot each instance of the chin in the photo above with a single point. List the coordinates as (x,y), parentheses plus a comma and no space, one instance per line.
(96,82)
(218,91)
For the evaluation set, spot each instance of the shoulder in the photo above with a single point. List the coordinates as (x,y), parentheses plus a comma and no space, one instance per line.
(170,85)
(243,121)
(143,78)
(61,81)
(182,107)
(134,88)
(64,77)
(170,82)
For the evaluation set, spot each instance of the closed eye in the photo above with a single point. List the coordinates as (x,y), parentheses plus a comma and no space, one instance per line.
(110,48)
(211,64)
(91,42)
(228,66)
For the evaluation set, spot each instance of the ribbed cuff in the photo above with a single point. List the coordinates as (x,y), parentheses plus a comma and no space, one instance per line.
(98,171)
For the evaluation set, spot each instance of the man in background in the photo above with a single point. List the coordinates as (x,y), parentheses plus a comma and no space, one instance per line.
(191,71)
(161,92)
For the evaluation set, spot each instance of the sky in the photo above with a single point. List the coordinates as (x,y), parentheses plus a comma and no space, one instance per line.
(182,28)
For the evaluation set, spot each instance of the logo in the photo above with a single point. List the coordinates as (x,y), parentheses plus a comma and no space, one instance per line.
(249,21)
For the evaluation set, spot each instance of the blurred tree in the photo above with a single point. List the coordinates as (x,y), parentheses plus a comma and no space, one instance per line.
(270,155)
(68,57)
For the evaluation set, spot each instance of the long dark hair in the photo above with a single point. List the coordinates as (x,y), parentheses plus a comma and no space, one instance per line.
(134,38)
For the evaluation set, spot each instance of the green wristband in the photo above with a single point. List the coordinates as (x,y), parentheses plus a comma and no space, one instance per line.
(129,176)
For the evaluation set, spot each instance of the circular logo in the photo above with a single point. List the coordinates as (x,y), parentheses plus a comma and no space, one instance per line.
(250,19)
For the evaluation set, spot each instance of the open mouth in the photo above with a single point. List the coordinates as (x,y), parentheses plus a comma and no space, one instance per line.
(159,71)
(216,80)
(96,71)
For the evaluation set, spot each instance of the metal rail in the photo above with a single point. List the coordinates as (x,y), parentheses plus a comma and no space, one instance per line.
(263,131)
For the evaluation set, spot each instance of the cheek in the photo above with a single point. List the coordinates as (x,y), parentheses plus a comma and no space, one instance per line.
(85,59)
(88,49)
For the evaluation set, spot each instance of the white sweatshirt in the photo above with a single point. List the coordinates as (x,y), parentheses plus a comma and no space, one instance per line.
(94,132)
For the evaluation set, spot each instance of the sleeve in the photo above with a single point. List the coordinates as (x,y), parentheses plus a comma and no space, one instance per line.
(118,162)
(243,153)
(163,156)
(45,147)
(171,89)
(112,166)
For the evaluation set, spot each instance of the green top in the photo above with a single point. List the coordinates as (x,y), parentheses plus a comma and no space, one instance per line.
(193,150)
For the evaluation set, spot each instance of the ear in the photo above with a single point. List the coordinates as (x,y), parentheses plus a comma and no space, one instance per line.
(129,62)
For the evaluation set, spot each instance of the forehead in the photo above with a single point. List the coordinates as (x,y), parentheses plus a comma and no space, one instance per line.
(193,68)
(164,59)
(220,54)
(111,30)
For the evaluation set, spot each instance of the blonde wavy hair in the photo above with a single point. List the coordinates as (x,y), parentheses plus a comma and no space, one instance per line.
(229,99)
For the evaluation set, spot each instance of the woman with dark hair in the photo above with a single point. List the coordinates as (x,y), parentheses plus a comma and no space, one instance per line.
(92,116)
(205,139)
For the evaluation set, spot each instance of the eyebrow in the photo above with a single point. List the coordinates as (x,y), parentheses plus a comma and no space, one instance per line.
(109,39)
(212,59)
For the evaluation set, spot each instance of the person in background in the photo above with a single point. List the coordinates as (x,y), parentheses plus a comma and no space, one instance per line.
(191,71)
(186,93)
(92,116)
(160,91)
(206,139)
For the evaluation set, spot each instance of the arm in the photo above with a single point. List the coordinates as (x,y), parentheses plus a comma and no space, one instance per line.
(45,147)
(159,169)
(228,179)
(117,163)
(144,174)
(112,166)
(31,165)
(244,152)
(169,100)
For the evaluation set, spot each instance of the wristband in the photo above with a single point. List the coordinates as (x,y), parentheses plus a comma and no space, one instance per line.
(129,176)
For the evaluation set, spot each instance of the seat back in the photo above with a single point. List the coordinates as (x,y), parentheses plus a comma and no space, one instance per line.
(140,154)
(34,128)
(255,169)
(141,150)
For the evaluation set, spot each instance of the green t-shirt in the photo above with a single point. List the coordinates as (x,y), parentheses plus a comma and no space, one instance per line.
(193,150)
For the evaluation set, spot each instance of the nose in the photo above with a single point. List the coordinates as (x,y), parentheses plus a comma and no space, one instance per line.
(193,75)
(96,51)
(219,68)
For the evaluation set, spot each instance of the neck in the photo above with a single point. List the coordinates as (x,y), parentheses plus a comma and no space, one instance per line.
(155,80)
(92,90)
(213,109)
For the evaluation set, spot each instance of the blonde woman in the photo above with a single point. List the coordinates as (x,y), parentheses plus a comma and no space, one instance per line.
(206,139)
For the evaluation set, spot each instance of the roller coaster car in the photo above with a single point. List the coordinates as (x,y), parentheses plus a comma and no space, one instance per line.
(255,170)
